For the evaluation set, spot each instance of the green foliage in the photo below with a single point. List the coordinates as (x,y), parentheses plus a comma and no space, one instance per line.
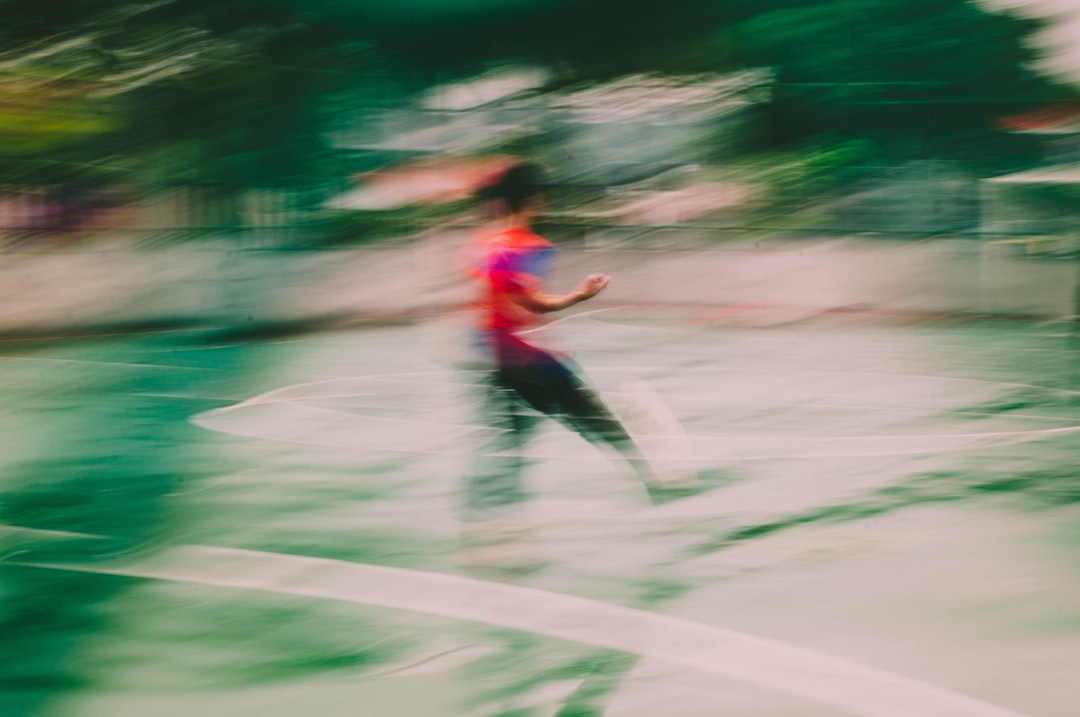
(935,71)
(241,93)
(230,93)
(51,115)
(843,163)
(36,119)
(796,178)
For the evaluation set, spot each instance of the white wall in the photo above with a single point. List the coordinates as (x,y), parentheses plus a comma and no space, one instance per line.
(211,282)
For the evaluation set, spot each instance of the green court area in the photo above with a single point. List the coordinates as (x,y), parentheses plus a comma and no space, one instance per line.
(198,524)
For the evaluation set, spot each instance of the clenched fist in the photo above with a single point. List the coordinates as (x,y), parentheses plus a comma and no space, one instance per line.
(594,284)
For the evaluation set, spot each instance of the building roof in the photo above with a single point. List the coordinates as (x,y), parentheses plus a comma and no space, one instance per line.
(1060,118)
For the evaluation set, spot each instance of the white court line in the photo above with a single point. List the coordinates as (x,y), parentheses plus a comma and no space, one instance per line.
(727,446)
(934,443)
(743,401)
(581,315)
(962,441)
(36,359)
(772,664)
(424,386)
(701,327)
(839,372)
(79,337)
(266,395)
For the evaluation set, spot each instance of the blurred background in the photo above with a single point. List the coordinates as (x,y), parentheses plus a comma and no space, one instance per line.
(187,139)
(206,201)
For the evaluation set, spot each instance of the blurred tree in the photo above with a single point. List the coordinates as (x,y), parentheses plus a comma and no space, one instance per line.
(46,117)
(923,76)
(230,93)
(242,92)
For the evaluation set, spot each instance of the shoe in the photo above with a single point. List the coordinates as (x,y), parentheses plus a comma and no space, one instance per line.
(703,482)
(660,439)
(662,495)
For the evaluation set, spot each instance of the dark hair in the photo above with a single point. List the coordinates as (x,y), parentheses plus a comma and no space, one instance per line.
(517,185)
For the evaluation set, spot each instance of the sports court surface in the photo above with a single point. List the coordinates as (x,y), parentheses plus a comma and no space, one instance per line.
(201,525)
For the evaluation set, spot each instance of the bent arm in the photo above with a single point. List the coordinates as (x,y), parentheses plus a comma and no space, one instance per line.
(546,303)
(542,303)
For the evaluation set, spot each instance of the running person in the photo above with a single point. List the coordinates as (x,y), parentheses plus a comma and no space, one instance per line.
(524,381)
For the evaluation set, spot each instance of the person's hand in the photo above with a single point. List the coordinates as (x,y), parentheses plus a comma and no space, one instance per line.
(594,284)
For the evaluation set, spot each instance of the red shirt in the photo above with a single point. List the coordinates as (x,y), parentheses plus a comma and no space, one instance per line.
(506,264)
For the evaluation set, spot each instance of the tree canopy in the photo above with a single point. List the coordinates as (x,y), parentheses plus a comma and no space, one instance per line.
(240,91)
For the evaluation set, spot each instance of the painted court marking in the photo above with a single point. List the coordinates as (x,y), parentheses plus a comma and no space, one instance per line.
(87,362)
(778,666)
(289,420)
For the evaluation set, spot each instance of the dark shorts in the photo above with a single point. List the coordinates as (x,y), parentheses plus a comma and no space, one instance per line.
(548,385)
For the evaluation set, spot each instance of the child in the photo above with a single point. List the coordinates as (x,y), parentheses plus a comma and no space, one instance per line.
(509,264)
